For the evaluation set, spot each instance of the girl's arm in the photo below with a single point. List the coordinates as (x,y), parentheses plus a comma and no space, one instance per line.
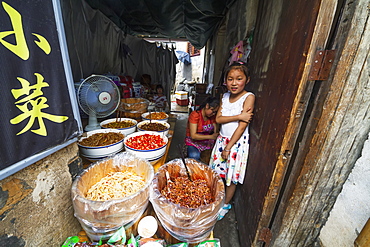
(216,127)
(195,136)
(247,107)
(245,115)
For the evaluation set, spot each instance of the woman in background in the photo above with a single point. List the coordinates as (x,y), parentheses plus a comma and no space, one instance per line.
(159,99)
(201,131)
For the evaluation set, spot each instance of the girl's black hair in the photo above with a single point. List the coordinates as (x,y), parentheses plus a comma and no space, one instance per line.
(237,65)
(211,101)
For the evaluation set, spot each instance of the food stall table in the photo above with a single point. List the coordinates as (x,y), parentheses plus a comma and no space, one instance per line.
(161,232)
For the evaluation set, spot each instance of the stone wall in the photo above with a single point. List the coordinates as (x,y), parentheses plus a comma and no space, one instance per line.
(352,209)
(35,203)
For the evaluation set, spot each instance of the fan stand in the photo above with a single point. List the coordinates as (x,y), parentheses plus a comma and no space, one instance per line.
(93,123)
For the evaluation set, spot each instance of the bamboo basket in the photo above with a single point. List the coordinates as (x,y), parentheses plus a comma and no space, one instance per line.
(184,224)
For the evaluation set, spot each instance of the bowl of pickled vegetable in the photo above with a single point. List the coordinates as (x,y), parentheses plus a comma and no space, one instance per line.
(154,125)
(99,144)
(149,145)
(125,125)
(160,116)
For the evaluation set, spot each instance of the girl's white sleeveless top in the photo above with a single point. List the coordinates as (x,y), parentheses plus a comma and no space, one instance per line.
(232,109)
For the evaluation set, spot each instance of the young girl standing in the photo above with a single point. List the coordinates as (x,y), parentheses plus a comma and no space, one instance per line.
(230,154)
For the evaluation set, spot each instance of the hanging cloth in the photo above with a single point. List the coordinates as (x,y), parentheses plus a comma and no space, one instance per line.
(237,52)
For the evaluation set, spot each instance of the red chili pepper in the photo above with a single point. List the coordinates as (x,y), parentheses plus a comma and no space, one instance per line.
(145,142)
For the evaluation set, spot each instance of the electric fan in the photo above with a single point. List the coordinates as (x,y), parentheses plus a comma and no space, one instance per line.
(98,96)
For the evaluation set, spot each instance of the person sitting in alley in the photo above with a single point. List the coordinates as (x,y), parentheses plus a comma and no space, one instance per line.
(201,131)
(159,99)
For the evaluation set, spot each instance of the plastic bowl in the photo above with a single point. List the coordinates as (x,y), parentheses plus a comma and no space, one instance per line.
(125,131)
(165,132)
(144,116)
(100,152)
(151,155)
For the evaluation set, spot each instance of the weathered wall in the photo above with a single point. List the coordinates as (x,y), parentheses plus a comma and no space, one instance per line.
(239,25)
(35,203)
(352,208)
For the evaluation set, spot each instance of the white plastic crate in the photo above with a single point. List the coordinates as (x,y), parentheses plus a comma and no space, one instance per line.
(181,95)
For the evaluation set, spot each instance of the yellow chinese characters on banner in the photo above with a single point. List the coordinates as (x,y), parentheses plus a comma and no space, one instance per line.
(33,101)
(32,106)
(20,48)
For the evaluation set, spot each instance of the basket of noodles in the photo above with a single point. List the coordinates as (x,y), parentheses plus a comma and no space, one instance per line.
(187,209)
(111,193)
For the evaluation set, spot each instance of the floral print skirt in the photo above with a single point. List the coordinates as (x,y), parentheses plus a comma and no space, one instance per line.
(233,169)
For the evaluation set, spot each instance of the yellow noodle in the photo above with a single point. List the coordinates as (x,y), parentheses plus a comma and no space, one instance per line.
(115,185)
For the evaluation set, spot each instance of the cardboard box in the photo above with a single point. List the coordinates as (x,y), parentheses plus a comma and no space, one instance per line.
(182,102)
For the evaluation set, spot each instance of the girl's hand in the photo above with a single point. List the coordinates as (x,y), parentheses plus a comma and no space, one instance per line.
(214,136)
(225,154)
(246,116)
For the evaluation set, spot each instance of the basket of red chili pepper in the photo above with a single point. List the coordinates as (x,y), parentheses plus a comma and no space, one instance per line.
(148,145)
(187,209)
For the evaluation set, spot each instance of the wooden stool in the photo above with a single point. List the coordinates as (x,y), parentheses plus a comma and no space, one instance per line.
(205,156)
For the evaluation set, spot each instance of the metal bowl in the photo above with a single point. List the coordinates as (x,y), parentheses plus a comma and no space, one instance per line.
(165,132)
(151,155)
(144,116)
(125,131)
(100,152)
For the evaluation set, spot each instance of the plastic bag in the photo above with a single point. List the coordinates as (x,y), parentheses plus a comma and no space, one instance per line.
(103,218)
(178,245)
(210,243)
(147,241)
(191,225)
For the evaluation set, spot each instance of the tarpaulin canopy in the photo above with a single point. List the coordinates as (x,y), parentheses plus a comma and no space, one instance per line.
(193,20)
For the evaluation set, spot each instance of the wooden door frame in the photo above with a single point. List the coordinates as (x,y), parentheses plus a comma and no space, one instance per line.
(337,128)
(319,41)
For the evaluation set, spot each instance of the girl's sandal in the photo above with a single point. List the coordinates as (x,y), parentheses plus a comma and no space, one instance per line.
(223,211)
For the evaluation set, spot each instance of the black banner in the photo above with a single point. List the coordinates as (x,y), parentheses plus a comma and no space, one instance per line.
(36,112)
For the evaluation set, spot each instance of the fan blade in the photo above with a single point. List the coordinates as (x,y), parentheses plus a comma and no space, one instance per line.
(105,87)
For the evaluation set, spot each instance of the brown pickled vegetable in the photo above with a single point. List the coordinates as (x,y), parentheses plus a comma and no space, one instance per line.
(153,127)
(101,139)
(190,194)
(156,115)
(119,124)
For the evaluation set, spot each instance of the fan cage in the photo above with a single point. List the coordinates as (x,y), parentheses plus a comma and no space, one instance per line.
(88,96)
